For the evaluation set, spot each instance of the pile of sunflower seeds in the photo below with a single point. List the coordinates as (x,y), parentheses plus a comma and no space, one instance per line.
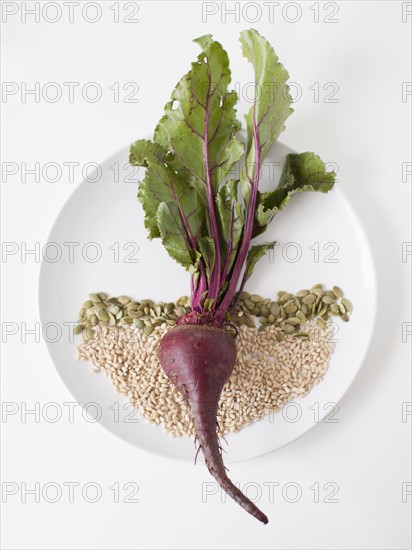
(289,312)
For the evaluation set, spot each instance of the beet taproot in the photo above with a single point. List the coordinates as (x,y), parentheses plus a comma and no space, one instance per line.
(199,359)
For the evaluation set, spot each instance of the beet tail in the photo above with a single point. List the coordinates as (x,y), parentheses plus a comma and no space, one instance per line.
(205,426)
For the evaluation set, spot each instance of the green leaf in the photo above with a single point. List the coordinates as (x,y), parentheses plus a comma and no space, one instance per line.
(231,217)
(255,253)
(208,303)
(174,235)
(201,118)
(162,184)
(301,172)
(207,250)
(272,103)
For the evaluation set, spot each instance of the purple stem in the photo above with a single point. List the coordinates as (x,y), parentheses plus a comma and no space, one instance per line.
(229,246)
(247,235)
(214,284)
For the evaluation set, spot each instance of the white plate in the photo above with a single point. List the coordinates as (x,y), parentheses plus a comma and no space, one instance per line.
(106,212)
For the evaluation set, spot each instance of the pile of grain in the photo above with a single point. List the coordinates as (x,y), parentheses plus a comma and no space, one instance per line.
(268,373)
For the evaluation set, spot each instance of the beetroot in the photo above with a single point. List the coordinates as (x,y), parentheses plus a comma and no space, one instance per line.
(207,220)
(199,359)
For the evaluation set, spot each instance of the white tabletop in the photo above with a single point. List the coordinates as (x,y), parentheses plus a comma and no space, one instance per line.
(362,462)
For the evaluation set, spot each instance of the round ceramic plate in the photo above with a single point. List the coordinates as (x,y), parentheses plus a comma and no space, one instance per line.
(100,244)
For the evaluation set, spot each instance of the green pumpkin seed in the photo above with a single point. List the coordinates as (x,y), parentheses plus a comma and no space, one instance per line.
(285,298)
(293,321)
(319,285)
(128,320)
(88,304)
(345,317)
(322,311)
(93,319)
(102,315)
(342,309)
(302,293)
(256,298)
(148,330)
(102,295)
(134,314)
(78,329)
(291,309)
(327,300)
(309,299)
(318,291)
(334,307)
(94,297)
(300,315)
(89,333)
(113,309)
(181,301)
(338,292)
(347,305)
(274,308)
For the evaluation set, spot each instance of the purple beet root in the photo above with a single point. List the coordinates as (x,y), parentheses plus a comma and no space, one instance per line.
(199,359)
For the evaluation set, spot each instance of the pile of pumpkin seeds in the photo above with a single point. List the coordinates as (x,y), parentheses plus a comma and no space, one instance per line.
(289,312)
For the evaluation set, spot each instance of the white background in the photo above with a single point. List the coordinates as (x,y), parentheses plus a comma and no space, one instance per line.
(367,453)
